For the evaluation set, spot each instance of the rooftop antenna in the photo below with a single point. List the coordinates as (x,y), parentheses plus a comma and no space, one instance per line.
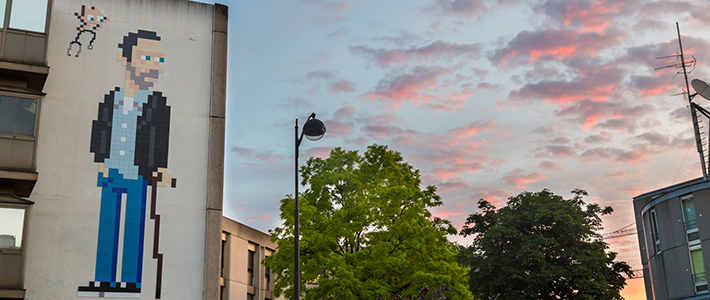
(701,88)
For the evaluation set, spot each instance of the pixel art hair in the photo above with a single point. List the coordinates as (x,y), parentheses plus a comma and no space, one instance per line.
(132,39)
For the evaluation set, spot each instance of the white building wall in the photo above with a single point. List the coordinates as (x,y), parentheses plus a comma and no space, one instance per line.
(63,229)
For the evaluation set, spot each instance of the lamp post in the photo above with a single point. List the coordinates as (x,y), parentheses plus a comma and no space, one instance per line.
(314,130)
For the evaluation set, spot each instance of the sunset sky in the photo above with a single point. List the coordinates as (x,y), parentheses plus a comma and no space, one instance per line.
(486,98)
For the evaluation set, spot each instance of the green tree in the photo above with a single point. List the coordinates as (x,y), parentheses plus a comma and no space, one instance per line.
(366,231)
(541,246)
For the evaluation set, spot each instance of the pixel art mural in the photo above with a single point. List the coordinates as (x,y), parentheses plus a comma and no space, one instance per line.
(91,21)
(129,140)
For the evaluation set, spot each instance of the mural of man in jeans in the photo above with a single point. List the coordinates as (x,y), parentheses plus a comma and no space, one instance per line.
(130,144)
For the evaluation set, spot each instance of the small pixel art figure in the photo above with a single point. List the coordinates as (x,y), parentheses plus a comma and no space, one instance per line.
(91,20)
(129,140)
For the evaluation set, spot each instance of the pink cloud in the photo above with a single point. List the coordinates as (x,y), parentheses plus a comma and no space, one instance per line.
(342,86)
(649,86)
(410,87)
(264,156)
(517,179)
(436,50)
(585,15)
(618,116)
(473,129)
(530,46)
(596,85)
(261,217)
(321,152)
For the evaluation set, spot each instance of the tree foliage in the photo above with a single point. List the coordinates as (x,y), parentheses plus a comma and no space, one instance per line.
(541,246)
(366,231)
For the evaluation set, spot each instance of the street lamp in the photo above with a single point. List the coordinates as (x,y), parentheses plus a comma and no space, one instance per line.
(314,130)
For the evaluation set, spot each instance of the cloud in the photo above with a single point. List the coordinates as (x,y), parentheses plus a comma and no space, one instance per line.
(530,46)
(680,115)
(261,217)
(556,151)
(405,37)
(331,6)
(550,165)
(341,32)
(321,152)
(649,86)
(616,115)
(409,87)
(519,180)
(342,86)
(436,50)
(596,85)
(264,156)
(599,137)
(294,103)
(458,8)
(582,15)
(384,132)
(701,14)
(473,129)
(644,146)
(320,75)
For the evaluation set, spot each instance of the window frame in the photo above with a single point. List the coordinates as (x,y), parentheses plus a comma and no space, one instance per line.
(655,234)
(38,109)
(22,251)
(683,200)
(251,265)
(39,97)
(696,283)
(5,28)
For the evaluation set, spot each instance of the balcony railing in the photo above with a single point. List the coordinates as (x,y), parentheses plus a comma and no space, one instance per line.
(698,277)
(691,224)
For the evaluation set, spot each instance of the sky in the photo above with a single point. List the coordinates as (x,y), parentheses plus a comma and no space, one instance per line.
(485,98)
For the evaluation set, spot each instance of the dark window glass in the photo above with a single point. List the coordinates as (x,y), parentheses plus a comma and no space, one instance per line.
(267,278)
(250,268)
(17,115)
(691,221)
(694,236)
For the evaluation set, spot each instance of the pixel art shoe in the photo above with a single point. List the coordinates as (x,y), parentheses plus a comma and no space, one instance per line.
(98,289)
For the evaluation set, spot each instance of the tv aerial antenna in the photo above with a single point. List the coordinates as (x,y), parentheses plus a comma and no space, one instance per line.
(702,89)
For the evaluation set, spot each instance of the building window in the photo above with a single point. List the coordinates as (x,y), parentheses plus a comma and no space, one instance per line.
(23,31)
(654,231)
(30,15)
(699,277)
(13,234)
(690,220)
(250,268)
(267,279)
(17,115)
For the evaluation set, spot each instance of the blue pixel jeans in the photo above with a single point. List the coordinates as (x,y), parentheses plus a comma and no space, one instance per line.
(113,188)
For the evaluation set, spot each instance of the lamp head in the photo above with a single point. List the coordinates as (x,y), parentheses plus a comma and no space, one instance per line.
(314,129)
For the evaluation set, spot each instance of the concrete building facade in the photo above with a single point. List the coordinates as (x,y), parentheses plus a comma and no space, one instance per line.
(112,119)
(673,225)
(243,275)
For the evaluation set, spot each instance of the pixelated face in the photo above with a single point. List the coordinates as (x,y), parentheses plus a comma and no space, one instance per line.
(93,19)
(147,56)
